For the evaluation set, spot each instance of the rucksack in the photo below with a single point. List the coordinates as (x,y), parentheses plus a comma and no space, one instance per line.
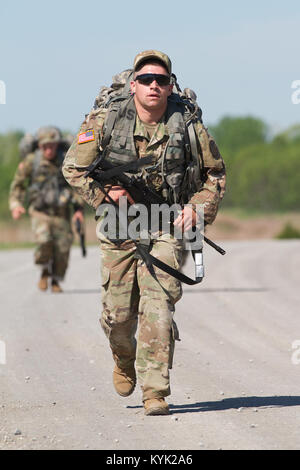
(29,144)
(111,98)
(48,191)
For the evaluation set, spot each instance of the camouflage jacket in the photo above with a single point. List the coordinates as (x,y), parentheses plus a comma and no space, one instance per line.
(31,177)
(83,154)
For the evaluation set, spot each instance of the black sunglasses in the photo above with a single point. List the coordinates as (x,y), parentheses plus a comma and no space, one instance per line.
(148,78)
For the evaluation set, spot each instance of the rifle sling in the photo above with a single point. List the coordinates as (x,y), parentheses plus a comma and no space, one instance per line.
(112,172)
(149,259)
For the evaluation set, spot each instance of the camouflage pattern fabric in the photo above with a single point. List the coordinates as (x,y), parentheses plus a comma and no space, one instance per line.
(116,89)
(54,238)
(27,144)
(82,155)
(130,295)
(155,55)
(48,134)
(29,179)
(52,228)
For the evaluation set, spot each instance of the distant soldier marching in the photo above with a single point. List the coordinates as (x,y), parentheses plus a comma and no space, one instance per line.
(39,177)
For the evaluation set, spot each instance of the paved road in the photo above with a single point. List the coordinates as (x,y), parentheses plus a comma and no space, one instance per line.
(236,377)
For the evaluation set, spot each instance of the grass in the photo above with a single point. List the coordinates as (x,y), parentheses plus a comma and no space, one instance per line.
(17,246)
(288,232)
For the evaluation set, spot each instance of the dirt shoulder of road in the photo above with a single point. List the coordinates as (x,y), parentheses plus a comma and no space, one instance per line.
(229,225)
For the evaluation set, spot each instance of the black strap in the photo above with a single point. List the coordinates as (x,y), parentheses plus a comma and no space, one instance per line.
(111,119)
(151,260)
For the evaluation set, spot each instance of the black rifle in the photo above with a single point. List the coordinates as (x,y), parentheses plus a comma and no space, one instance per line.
(105,172)
(79,230)
(102,171)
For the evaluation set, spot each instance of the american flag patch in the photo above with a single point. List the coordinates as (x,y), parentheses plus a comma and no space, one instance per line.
(87,136)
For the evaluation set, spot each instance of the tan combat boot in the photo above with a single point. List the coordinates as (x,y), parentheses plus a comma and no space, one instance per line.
(56,287)
(43,282)
(156,406)
(124,380)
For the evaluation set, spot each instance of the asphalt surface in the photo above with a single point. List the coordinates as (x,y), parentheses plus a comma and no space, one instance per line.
(236,376)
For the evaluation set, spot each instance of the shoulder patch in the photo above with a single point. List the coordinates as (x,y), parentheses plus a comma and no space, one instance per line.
(87,136)
(214,150)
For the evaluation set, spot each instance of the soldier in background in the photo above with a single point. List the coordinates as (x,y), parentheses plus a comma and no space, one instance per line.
(50,198)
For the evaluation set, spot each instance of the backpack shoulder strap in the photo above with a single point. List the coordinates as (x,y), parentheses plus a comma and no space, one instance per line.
(192,139)
(109,124)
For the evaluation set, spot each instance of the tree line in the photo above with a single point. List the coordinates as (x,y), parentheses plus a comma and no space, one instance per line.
(263,171)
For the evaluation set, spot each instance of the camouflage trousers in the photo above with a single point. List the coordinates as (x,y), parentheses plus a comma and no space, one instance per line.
(134,301)
(54,238)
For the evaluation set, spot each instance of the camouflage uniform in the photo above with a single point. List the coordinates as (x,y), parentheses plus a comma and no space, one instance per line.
(131,297)
(51,219)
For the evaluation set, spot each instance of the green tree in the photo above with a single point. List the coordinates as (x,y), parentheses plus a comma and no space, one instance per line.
(266,177)
(9,159)
(234,133)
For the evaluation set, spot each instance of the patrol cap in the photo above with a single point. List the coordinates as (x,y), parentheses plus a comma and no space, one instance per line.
(152,54)
(48,135)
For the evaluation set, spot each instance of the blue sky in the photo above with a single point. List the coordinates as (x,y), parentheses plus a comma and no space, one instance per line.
(240,57)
